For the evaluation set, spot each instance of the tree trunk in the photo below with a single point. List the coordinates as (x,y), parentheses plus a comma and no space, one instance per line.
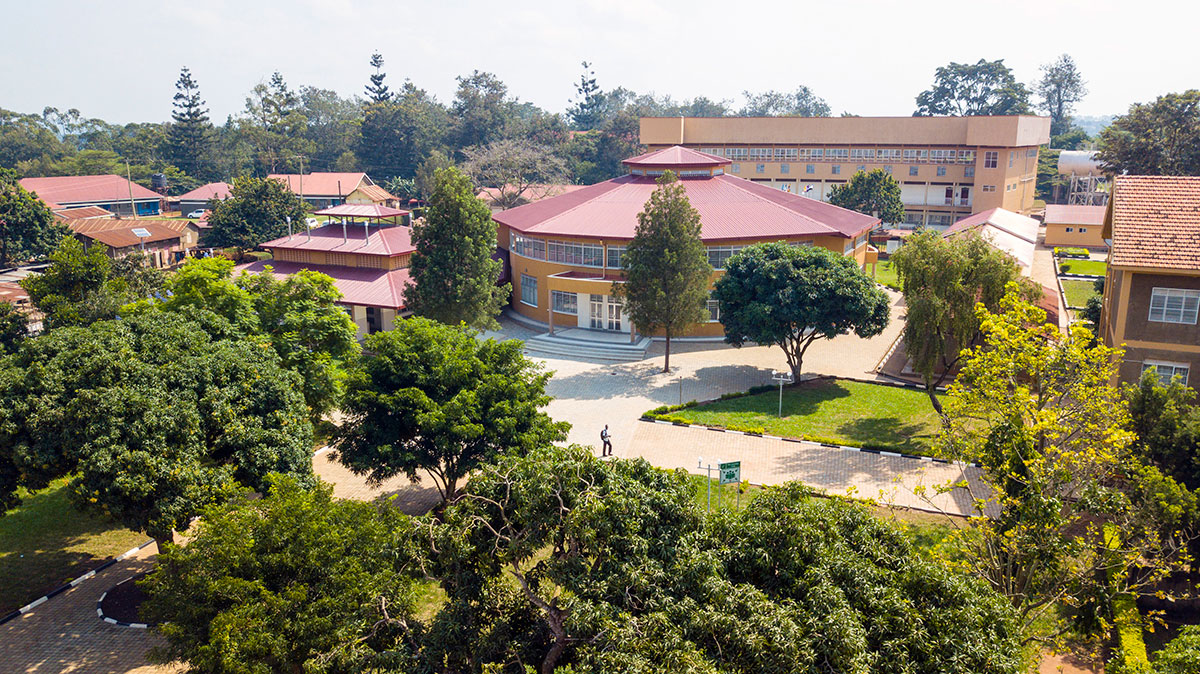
(931,389)
(667,362)
(162,541)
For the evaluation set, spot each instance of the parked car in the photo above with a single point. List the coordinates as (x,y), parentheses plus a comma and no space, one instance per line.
(198,213)
(312,222)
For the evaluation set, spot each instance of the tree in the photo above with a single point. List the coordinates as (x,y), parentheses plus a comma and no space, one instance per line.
(294,581)
(875,193)
(589,110)
(453,273)
(28,229)
(800,103)
(189,137)
(481,110)
(617,570)
(1166,421)
(1159,138)
(1068,518)
(275,126)
(514,167)
(426,173)
(150,416)
(399,133)
(81,287)
(14,328)
(377,91)
(332,125)
(434,398)
(1181,655)
(256,210)
(1060,88)
(665,265)
(943,279)
(983,88)
(790,296)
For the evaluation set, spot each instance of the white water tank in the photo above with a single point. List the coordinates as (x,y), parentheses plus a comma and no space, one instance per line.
(1079,163)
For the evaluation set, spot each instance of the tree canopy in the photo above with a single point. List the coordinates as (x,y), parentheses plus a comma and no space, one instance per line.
(516,169)
(1059,89)
(666,266)
(28,230)
(454,276)
(434,398)
(790,296)
(1159,138)
(256,210)
(982,88)
(799,103)
(875,193)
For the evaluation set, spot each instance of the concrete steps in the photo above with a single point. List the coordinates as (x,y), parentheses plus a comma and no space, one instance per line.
(557,346)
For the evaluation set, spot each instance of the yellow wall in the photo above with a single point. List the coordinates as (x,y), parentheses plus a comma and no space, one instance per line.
(1057,235)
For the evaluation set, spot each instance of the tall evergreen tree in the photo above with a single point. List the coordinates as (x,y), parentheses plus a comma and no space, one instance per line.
(377,91)
(453,273)
(589,108)
(666,266)
(189,138)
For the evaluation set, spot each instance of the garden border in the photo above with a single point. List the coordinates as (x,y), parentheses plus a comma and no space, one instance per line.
(63,588)
(113,621)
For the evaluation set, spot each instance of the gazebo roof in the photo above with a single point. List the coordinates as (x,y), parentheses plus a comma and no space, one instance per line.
(676,157)
(368,211)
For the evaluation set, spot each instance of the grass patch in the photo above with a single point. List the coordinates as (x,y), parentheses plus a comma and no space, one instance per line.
(843,412)
(1093,267)
(1078,292)
(46,542)
(885,274)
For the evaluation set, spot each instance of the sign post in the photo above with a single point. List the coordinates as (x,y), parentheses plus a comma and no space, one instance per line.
(782,378)
(729,472)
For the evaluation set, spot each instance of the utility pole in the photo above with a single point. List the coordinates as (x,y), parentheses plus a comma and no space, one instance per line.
(129,184)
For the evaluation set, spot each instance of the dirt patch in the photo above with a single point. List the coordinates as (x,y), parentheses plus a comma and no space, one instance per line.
(123,601)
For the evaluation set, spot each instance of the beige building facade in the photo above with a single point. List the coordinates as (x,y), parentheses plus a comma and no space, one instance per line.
(947,167)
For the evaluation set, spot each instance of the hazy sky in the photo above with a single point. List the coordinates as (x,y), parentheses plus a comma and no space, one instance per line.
(118,60)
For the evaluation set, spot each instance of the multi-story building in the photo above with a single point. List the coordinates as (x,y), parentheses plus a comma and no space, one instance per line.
(1152,287)
(565,252)
(947,167)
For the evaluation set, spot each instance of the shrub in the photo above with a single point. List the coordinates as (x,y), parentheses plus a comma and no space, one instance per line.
(1130,657)
(1070,251)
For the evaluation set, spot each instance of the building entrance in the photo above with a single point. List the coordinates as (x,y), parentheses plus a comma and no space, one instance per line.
(605,313)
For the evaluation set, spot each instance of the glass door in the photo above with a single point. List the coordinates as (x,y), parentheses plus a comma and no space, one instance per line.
(597,312)
(614,314)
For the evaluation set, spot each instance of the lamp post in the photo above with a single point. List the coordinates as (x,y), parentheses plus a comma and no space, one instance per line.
(782,378)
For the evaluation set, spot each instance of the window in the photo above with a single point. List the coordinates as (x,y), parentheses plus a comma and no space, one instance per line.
(714,151)
(736,168)
(785,154)
(861,153)
(861,168)
(529,247)
(1172,305)
(714,310)
(988,188)
(374,320)
(719,255)
(914,218)
(582,254)
(969,172)
(942,156)
(736,153)
(529,290)
(760,153)
(966,156)
(888,154)
(692,173)
(913,170)
(1083,230)
(1167,371)
(837,169)
(836,153)
(949,195)
(760,168)
(785,168)
(1011,154)
(1031,152)
(1070,229)
(887,169)
(810,168)
(817,153)
(941,171)
(614,257)
(564,302)
(991,159)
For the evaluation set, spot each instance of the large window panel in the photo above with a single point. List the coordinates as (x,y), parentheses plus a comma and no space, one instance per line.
(1174,305)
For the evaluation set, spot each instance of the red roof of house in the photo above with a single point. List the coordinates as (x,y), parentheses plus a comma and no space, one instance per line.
(362,211)
(376,193)
(391,240)
(68,190)
(730,208)
(207,192)
(676,157)
(332,185)
(1156,222)
(1075,215)
(123,237)
(532,194)
(82,212)
(359,285)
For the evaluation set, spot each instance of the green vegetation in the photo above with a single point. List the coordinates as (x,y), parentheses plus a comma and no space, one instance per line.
(1091,267)
(842,412)
(45,542)
(1070,251)
(1078,292)
(885,275)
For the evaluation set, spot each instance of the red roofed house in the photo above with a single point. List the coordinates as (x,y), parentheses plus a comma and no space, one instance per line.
(164,242)
(323,190)
(368,261)
(1075,226)
(1152,287)
(564,252)
(110,192)
(198,198)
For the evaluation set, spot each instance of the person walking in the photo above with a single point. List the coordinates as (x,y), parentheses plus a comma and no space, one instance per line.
(606,450)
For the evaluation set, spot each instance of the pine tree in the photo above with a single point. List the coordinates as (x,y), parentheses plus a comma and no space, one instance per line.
(189,138)
(377,91)
(588,111)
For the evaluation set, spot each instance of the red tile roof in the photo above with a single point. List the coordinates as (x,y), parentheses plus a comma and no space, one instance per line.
(730,208)
(391,240)
(1156,222)
(534,193)
(1075,215)
(207,192)
(362,211)
(333,185)
(676,157)
(88,225)
(359,285)
(68,190)
(82,212)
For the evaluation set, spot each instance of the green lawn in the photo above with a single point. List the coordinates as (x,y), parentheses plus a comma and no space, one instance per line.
(46,542)
(1078,292)
(885,273)
(844,412)
(1093,267)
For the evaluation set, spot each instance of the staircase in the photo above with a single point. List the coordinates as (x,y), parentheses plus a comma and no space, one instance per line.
(603,347)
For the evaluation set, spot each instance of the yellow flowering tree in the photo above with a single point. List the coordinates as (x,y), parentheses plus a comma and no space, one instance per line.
(1067,517)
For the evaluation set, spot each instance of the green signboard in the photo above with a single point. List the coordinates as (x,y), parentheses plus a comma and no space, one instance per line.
(730,472)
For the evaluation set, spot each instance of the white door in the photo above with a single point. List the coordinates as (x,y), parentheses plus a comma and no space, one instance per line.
(597,312)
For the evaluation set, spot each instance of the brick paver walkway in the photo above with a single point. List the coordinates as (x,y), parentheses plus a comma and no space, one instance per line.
(765,461)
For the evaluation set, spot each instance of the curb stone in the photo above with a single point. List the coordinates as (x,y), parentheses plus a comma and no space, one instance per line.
(112,621)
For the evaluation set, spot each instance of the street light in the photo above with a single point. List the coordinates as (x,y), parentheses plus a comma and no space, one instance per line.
(782,378)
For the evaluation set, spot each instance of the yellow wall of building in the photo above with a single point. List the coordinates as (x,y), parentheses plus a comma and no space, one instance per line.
(317,257)
(1057,235)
